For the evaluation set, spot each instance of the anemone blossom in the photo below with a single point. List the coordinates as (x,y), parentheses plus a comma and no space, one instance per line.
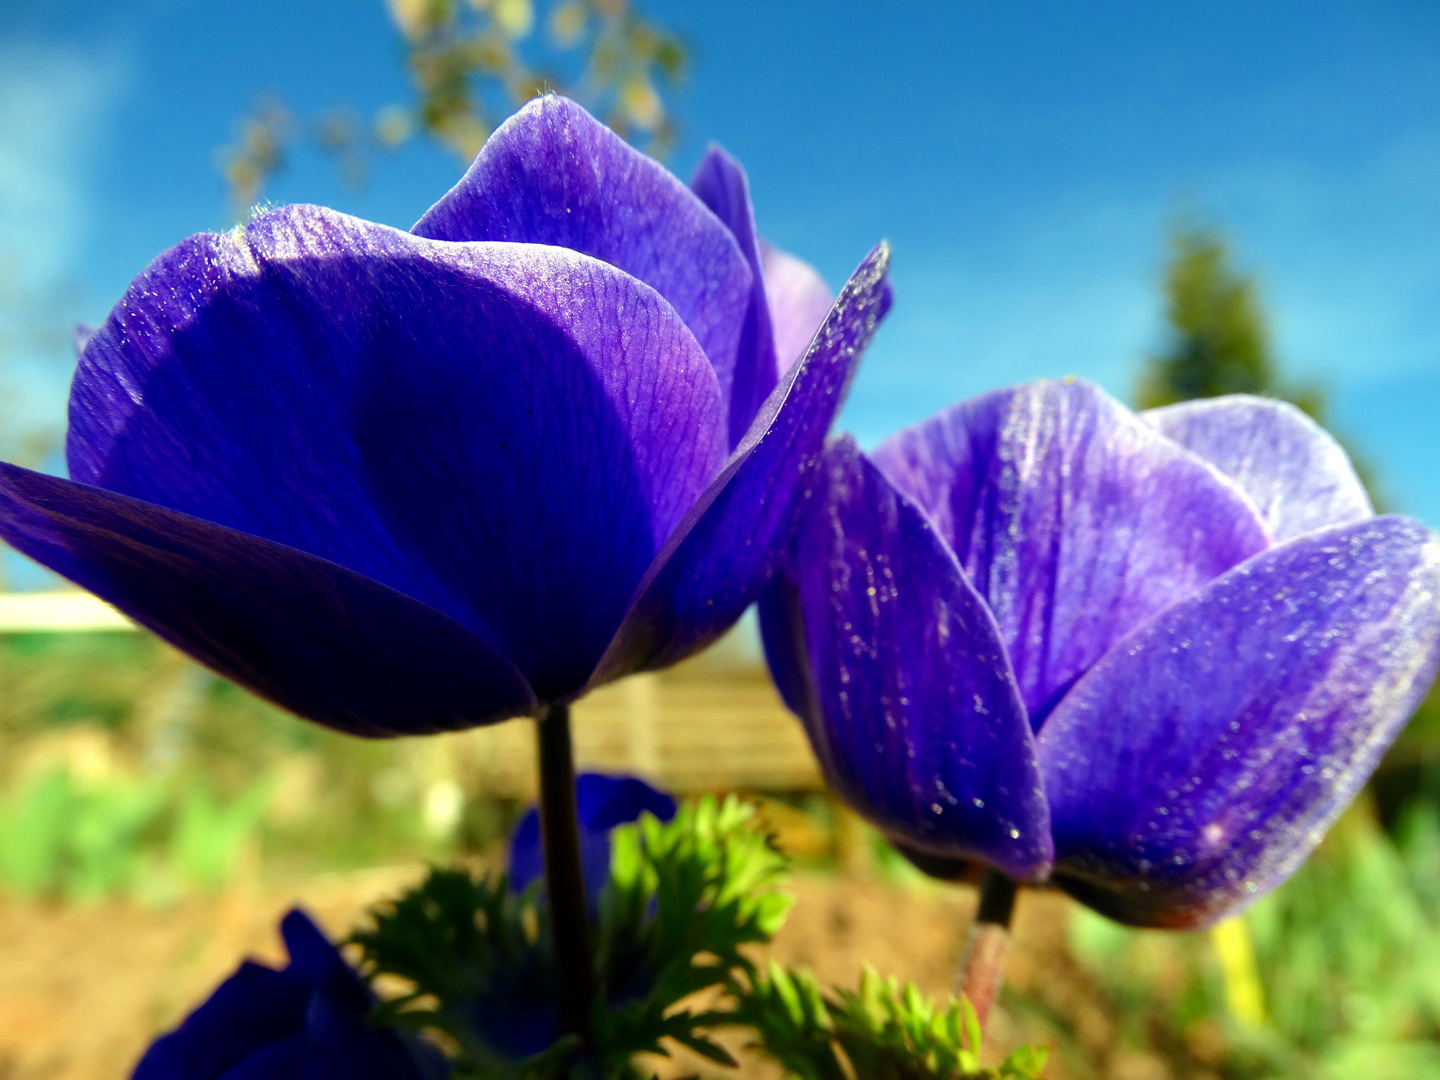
(1148,658)
(410,482)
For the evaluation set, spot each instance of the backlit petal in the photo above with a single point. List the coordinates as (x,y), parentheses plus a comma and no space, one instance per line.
(721,556)
(914,713)
(799,301)
(1294,471)
(313,637)
(506,432)
(553,174)
(722,186)
(1075,520)
(1196,765)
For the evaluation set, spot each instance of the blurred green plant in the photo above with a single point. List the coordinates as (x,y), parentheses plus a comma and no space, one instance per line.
(126,769)
(1347,953)
(684,901)
(471,62)
(683,898)
(882,1031)
(1218,340)
(61,835)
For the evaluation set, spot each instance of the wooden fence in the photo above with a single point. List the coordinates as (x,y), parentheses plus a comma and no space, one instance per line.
(712,723)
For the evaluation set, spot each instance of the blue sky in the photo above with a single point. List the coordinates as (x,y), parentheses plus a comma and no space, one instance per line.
(1023,157)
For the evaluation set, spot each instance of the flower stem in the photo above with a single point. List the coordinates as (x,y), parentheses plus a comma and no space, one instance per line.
(982,971)
(564,877)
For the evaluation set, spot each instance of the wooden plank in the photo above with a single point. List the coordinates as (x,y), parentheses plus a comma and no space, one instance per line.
(57,611)
(696,728)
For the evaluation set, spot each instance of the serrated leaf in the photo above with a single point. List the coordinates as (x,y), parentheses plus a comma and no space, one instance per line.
(707,1049)
(972,1024)
(1027,1060)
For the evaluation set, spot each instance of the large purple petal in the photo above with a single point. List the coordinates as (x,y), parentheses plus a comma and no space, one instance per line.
(314,637)
(1197,764)
(1075,520)
(1294,471)
(506,432)
(799,301)
(720,557)
(722,186)
(914,713)
(553,174)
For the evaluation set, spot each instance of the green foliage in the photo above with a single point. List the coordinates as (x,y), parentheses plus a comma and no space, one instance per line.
(470,950)
(882,1032)
(1219,342)
(123,711)
(91,840)
(706,882)
(683,899)
(1350,950)
(471,63)
(210,833)
(32,834)
(1348,954)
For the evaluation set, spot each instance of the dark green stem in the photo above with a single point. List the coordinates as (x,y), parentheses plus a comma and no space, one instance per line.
(982,972)
(564,875)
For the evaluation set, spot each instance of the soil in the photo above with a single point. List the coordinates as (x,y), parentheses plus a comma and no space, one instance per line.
(84,988)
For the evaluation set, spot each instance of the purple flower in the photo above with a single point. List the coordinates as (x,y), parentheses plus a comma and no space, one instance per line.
(522,1019)
(601,803)
(1149,658)
(410,482)
(307,1022)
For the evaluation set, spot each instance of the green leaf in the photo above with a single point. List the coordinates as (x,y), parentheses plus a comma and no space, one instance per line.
(684,898)
(880,1031)
(707,1049)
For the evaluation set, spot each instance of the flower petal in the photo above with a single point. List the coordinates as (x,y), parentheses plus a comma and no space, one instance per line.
(506,432)
(313,637)
(720,557)
(1075,520)
(312,956)
(1294,471)
(799,301)
(913,711)
(721,184)
(553,174)
(1196,765)
(343,1043)
(601,803)
(254,1008)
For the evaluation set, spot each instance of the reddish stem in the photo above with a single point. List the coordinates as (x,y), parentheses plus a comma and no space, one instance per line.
(982,971)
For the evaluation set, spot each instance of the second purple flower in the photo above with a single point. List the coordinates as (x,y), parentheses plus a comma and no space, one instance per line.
(1149,658)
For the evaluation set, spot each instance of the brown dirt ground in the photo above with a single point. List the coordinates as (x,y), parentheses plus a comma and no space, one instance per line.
(84,988)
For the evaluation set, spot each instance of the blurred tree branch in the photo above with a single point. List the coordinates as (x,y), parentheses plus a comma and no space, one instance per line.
(471,62)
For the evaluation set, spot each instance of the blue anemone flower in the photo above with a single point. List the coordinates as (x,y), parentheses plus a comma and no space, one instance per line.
(601,803)
(1149,658)
(306,1022)
(410,482)
(522,1018)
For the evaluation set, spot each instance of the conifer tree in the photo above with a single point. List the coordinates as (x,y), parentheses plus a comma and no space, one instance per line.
(1219,343)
